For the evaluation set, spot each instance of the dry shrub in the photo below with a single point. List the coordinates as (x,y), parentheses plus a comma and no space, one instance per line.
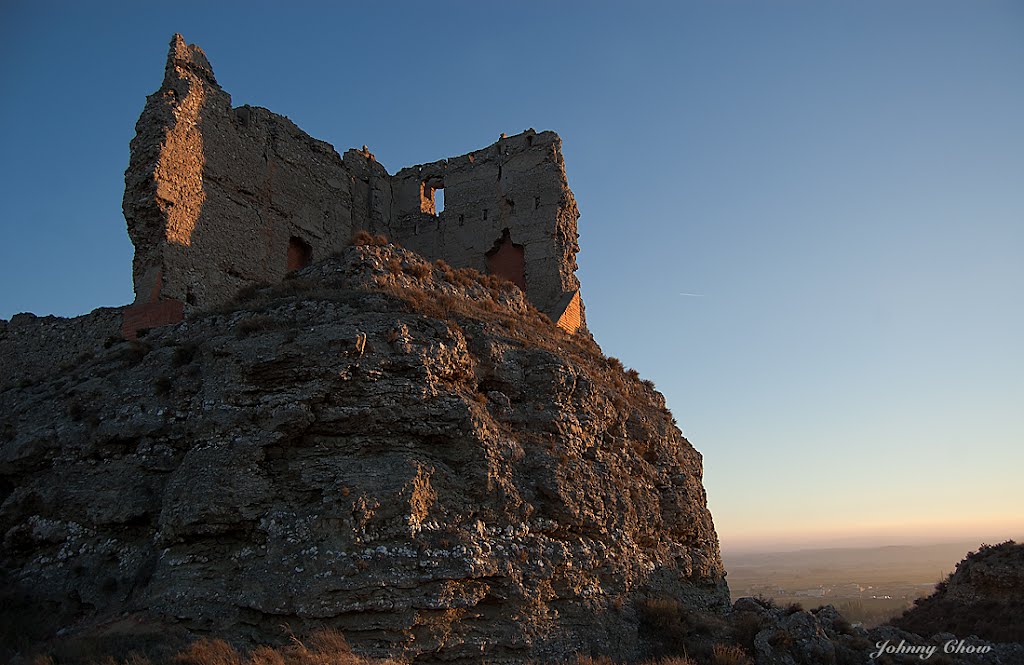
(363,237)
(418,269)
(209,652)
(496,283)
(444,270)
(843,627)
(729,654)
(593,660)
(679,629)
(137,659)
(322,647)
(265,655)
(328,641)
(746,627)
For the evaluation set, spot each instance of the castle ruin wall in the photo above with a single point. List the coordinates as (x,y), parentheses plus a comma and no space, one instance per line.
(215,195)
(218,198)
(514,191)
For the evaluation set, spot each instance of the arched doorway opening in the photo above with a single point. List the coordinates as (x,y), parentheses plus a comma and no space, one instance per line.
(300,254)
(507,259)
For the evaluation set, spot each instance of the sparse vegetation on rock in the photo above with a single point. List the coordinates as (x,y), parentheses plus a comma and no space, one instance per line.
(392,448)
(984,596)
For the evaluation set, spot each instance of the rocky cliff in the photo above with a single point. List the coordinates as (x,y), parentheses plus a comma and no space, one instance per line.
(406,452)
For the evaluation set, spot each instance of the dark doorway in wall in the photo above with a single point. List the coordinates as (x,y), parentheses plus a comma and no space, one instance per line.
(507,259)
(300,254)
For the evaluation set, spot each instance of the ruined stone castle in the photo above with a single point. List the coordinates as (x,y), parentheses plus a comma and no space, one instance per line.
(386,446)
(218,198)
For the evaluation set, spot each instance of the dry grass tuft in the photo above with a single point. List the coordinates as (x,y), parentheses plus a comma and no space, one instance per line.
(729,654)
(323,647)
(209,652)
(362,238)
(593,660)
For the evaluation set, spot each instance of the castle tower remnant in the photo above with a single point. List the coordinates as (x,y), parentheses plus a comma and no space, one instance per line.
(218,198)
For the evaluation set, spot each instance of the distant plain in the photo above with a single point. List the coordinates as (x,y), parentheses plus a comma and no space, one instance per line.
(868,585)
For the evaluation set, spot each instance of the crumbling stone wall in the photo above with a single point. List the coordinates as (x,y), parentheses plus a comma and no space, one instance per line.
(218,198)
(510,197)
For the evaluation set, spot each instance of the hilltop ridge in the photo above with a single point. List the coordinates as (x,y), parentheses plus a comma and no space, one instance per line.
(409,453)
(984,596)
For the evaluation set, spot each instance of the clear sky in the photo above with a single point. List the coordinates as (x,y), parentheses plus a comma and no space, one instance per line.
(839,184)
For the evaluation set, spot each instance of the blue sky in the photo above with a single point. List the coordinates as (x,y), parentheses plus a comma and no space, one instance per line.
(842,183)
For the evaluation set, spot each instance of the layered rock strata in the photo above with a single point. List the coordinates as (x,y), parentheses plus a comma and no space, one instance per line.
(407,452)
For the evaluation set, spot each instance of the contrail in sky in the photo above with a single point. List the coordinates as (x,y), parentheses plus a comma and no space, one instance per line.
(693,295)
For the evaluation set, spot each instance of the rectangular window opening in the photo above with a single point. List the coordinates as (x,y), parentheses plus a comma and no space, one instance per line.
(432,196)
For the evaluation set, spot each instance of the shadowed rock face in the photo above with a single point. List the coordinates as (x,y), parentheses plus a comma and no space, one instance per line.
(380,444)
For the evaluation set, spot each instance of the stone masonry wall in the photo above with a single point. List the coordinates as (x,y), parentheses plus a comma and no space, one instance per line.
(218,198)
(515,189)
(214,195)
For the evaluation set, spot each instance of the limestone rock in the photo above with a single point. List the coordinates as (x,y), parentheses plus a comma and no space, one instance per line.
(821,636)
(983,596)
(410,453)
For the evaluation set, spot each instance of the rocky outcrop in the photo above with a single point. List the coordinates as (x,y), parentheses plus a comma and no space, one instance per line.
(34,348)
(406,452)
(821,636)
(984,596)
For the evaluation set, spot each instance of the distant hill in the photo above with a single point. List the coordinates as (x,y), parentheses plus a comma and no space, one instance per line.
(939,554)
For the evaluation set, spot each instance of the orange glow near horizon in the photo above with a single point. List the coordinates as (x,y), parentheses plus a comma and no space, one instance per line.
(736,538)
